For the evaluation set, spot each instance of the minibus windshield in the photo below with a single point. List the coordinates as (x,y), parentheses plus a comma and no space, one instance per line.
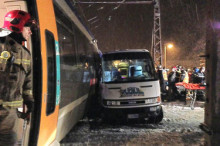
(127,67)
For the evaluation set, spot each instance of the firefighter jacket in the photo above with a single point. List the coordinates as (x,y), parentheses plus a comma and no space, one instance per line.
(15,73)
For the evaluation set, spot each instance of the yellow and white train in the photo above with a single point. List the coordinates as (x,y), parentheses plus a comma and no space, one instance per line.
(64,55)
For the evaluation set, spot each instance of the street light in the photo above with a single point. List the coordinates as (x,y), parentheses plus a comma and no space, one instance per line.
(169,46)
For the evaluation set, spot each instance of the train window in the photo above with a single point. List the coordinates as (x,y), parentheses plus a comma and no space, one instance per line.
(70,72)
(51,70)
(67,45)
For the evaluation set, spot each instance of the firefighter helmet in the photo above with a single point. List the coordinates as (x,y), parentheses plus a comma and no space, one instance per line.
(15,21)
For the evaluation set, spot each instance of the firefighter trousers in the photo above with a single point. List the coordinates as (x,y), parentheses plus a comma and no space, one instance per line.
(8,126)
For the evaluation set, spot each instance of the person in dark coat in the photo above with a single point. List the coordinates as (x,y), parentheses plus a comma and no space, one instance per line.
(161,78)
(199,76)
(172,81)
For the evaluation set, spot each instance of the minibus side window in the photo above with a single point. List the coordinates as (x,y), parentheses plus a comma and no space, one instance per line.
(51,72)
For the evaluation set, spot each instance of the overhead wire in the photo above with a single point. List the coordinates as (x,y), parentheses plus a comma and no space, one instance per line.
(107,15)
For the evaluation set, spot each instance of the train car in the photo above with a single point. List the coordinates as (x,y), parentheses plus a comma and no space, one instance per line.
(64,55)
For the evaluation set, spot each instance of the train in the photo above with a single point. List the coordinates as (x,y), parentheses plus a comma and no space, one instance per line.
(65,68)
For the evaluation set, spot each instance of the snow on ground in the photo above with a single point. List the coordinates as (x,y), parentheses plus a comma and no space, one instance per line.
(180,127)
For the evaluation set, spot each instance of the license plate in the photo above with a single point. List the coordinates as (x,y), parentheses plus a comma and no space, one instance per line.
(133,116)
(132,102)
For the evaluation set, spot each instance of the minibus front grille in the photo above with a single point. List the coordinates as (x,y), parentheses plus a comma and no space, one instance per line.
(132,102)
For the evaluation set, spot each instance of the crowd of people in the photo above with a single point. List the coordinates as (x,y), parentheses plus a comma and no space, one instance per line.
(180,74)
(177,74)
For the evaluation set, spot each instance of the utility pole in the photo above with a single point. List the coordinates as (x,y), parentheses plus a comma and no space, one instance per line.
(211,124)
(156,47)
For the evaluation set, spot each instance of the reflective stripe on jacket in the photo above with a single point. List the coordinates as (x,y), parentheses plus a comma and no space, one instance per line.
(11,103)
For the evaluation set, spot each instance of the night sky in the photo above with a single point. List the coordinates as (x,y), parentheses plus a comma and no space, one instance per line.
(130,26)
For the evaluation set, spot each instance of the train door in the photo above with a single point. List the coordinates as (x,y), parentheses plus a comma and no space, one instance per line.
(50,72)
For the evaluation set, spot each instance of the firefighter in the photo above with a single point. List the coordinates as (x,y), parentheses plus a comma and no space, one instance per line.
(186,76)
(15,74)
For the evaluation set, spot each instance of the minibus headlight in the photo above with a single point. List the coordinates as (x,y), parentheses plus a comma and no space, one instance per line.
(113,102)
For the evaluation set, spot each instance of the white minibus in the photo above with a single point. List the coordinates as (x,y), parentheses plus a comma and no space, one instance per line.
(130,88)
